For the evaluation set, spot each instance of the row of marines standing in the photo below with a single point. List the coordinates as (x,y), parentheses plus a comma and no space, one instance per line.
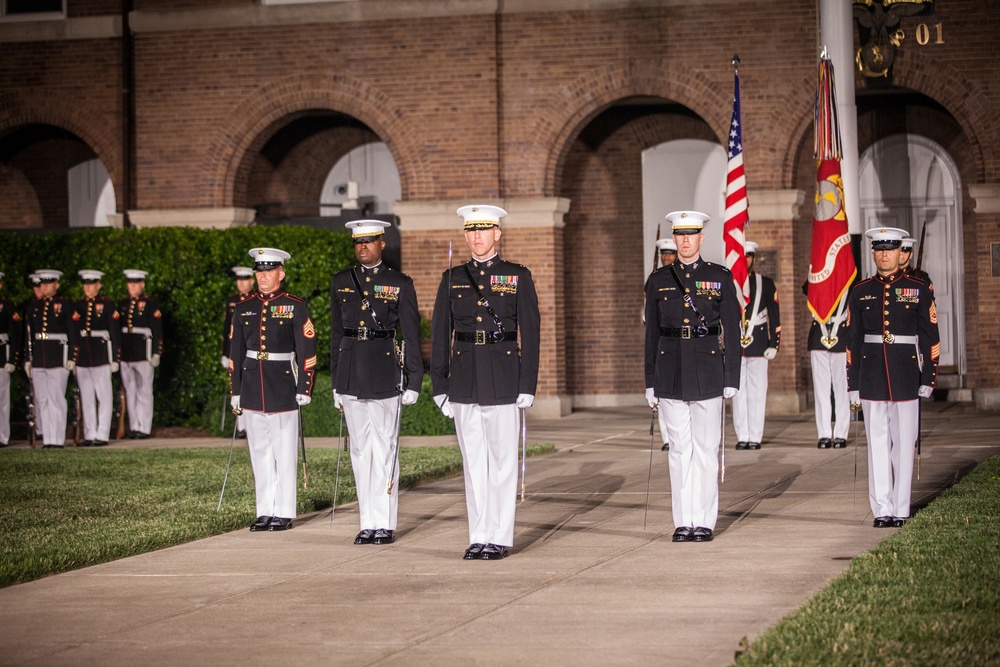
(52,338)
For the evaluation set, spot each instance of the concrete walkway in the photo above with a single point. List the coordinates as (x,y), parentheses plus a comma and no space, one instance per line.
(585,584)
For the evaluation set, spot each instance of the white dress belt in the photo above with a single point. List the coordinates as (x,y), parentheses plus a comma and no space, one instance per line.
(62,338)
(890,338)
(270,356)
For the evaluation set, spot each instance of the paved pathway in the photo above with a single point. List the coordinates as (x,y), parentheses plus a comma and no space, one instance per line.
(585,584)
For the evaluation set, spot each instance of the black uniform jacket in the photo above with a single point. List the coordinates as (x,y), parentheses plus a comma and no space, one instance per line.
(46,317)
(10,324)
(276,323)
(232,301)
(96,315)
(492,374)
(692,369)
(370,368)
(140,312)
(885,306)
(767,334)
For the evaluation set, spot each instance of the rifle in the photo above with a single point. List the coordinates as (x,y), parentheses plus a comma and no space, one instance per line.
(32,417)
(656,251)
(77,410)
(920,250)
(120,433)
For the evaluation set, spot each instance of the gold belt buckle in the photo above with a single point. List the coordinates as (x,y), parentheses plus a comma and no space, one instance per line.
(686,333)
(887,337)
(480,338)
(43,336)
(363,333)
(262,356)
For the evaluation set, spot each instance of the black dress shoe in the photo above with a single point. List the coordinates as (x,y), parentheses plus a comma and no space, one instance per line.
(383,536)
(882,522)
(87,443)
(702,534)
(493,552)
(824,443)
(839,443)
(665,447)
(241,435)
(366,536)
(132,435)
(100,443)
(472,553)
(898,521)
(742,445)
(753,445)
(278,523)
(260,524)
(2,445)
(682,534)
(141,436)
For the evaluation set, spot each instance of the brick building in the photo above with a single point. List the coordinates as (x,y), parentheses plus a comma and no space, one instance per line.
(205,112)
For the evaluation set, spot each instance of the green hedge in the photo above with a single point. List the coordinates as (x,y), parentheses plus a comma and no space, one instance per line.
(190,278)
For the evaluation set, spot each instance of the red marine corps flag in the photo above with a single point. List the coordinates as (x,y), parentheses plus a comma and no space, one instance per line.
(831,262)
(736,216)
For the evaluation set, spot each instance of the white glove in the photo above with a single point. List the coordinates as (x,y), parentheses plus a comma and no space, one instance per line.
(925,391)
(651,397)
(114,366)
(728,392)
(70,365)
(27,369)
(524,400)
(225,362)
(235,402)
(444,405)
(154,360)
(338,400)
(854,397)
(410,397)
(9,368)
(303,399)
(770,352)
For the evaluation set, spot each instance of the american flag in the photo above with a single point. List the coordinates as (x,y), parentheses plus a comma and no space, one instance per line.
(736,216)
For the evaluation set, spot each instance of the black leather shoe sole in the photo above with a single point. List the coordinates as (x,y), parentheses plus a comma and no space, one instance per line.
(472,553)
(682,534)
(701,534)
(260,524)
(366,536)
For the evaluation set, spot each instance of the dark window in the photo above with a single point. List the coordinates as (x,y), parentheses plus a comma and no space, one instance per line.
(11,7)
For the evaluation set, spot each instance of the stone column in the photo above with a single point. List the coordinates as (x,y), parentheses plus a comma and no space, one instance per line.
(533,236)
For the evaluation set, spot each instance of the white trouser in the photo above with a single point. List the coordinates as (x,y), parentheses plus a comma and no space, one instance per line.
(372,425)
(891,427)
(4,407)
(830,369)
(50,403)
(95,399)
(273,439)
(487,435)
(749,401)
(695,430)
(661,419)
(137,378)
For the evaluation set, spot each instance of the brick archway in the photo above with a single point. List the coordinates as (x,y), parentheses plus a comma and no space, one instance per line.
(102,137)
(227,153)
(557,125)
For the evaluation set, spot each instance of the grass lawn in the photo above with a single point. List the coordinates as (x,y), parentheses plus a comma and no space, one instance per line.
(67,509)
(927,595)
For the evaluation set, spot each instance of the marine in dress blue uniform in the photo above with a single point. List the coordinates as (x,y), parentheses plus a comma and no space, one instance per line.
(97,326)
(272,369)
(244,287)
(371,304)
(10,349)
(827,345)
(760,340)
(484,377)
(141,348)
(892,359)
(49,340)
(692,362)
(36,294)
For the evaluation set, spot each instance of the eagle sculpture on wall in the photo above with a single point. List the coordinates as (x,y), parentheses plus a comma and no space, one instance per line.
(880,36)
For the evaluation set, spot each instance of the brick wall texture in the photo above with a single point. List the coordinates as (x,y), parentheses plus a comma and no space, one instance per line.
(481,106)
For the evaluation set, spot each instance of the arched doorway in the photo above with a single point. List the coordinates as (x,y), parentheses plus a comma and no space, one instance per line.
(909,181)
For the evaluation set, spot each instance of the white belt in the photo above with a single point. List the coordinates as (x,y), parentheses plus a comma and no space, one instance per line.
(270,356)
(890,338)
(96,333)
(62,338)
